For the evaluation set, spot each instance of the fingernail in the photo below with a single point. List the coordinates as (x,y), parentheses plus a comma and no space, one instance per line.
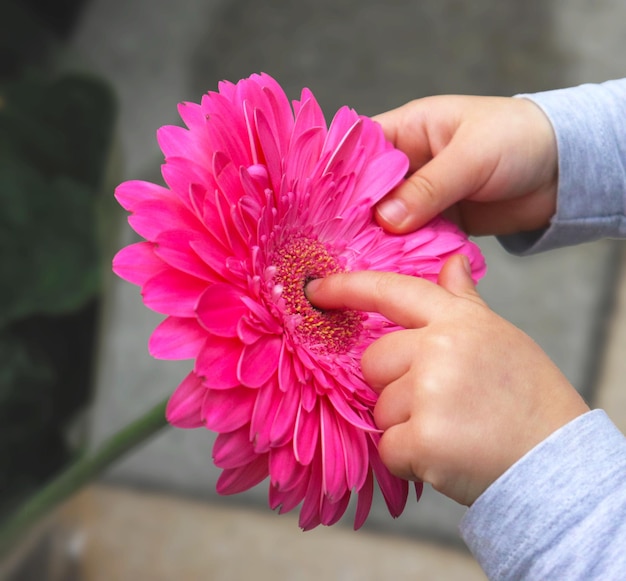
(393,211)
(312,286)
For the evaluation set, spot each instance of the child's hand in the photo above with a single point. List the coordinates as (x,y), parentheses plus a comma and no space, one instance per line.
(489,162)
(463,393)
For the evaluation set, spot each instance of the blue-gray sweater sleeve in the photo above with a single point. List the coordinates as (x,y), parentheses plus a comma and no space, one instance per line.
(590,126)
(559,512)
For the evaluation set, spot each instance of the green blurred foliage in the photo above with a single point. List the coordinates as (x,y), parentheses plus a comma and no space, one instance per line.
(54,141)
(56,132)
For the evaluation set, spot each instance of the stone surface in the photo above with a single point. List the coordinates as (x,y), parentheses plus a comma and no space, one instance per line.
(188,540)
(372,56)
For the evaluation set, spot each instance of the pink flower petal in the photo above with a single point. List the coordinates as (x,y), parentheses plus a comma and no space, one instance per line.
(286,374)
(225,410)
(217,362)
(233,449)
(174,248)
(283,426)
(254,181)
(395,491)
(137,263)
(178,141)
(308,397)
(282,118)
(193,117)
(419,489)
(364,503)
(310,511)
(173,292)
(177,338)
(381,174)
(266,407)
(307,113)
(227,178)
(212,255)
(181,174)
(265,319)
(353,447)
(133,192)
(152,217)
(348,413)
(287,499)
(270,148)
(340,125)
(248,331)
(236,480)
(302,157)
(305,442)
(332,510)
(285,472)
(345,148)
(183,407)
(259,361)
(231,142)
(334,483)
(220,309)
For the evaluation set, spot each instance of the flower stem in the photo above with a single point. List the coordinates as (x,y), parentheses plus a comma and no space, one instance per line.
(76,475)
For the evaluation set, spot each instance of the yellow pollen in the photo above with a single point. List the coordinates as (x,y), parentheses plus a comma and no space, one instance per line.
(298,262)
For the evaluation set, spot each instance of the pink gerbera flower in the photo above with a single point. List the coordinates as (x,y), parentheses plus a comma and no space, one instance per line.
(262,196)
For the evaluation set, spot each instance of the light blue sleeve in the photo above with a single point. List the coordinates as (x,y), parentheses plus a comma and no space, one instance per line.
(590,126)
(560,512)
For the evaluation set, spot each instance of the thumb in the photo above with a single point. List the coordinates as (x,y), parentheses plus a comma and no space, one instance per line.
(456,277)
(455,173)
(424,194)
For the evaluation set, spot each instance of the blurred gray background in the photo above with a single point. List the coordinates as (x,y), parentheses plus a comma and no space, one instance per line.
(372,56)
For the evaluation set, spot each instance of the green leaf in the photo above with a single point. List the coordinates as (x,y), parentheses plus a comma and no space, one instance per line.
(55,140)
(48,247)
(64,127)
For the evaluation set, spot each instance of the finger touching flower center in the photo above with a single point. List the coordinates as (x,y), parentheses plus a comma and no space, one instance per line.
(298,262)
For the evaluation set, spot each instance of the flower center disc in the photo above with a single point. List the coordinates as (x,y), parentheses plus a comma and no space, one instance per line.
(297,263)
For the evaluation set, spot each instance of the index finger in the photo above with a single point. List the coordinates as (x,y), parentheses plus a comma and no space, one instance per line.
(405,300)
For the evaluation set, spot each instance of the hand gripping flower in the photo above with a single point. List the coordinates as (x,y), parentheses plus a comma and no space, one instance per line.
(262,197)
